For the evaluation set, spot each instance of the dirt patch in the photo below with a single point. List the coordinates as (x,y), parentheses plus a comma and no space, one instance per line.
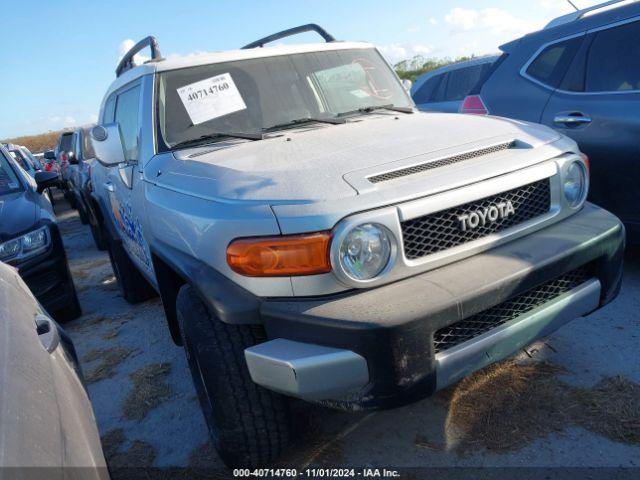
(150,389)
(109,359)
(611,409)
(85,270)
(109,334)
(506,406)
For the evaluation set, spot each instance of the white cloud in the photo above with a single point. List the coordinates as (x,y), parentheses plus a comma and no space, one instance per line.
(432,21)
(397,52)
(62,121)
(496,21)
(462,19)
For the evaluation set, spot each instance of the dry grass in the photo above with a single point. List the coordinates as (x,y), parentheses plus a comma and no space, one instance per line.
(110,334)
(109,359)
(508,405)
(36,143)
(149,390)
(139,454)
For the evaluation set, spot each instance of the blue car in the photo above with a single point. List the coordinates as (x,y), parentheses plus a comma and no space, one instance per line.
(443,89)
(581,76)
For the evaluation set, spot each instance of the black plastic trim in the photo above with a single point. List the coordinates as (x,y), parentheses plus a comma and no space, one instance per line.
(310,27)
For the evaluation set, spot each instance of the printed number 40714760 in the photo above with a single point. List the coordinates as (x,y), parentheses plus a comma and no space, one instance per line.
(205,92)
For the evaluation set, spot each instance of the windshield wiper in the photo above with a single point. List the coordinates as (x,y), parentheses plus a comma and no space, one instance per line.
(302,121)
(373,108)
(209,138)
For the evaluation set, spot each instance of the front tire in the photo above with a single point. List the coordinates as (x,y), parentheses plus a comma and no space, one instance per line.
(249,425)
(134,287)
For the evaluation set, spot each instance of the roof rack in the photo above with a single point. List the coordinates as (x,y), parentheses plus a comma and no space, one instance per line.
(577,15)
(127,61)
(311,27)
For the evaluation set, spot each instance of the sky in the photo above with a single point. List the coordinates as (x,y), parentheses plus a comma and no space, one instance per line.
(59,56)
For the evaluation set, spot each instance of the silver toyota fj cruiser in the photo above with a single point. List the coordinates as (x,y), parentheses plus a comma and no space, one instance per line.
(312,235)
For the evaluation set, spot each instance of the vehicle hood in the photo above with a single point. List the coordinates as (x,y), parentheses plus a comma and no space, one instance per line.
(327,162)
(19,212)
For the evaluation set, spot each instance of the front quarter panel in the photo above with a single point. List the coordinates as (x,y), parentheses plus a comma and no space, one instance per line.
(202,229)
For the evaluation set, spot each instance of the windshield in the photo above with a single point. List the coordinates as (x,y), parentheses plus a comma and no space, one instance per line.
(34,161)
(250,96)
(8,178)
(20,159)
(65,142)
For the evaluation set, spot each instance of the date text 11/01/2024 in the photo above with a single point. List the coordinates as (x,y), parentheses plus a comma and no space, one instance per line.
(316,473)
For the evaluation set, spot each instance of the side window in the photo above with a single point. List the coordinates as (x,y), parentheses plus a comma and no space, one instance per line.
(461,82)
(424,93)
(87,146)
(127,110)
(109,110)
(613,63)
(551,64)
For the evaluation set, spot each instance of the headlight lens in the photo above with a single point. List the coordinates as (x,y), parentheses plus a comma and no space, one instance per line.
(24,246)
(575,183)
(365,251)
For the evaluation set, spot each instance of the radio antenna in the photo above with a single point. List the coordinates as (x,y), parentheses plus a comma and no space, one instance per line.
(573,5)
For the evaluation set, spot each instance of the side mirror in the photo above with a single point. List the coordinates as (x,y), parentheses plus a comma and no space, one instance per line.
(50,155)
(407,84)
(45,180)
(107,144)
(73,160)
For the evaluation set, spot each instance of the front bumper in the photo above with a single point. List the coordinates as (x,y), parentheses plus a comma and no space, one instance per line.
(375,348)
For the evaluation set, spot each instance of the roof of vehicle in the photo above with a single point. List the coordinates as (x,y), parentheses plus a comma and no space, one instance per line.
(581,21)
(454,66)
(177,62)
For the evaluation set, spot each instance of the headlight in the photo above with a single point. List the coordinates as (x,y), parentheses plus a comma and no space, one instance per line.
(26,245)
(365,251)
(575,184)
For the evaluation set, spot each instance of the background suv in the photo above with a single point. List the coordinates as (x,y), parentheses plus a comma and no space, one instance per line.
(443,89)
(79,171)
(581,76)
(30,239)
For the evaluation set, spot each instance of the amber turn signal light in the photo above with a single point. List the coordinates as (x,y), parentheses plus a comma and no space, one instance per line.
(280,256)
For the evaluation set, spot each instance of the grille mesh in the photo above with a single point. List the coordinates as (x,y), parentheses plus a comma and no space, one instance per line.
(423,167)
(483,322)
(439,231)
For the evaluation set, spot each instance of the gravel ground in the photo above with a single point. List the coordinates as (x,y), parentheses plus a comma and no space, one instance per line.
(545,409)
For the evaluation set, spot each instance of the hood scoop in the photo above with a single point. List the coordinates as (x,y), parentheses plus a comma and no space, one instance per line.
(431,164)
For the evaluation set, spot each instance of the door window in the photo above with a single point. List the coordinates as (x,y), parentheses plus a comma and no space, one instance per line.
(109,110)
(87,146)
(127,112)
(613,63)
(551,64)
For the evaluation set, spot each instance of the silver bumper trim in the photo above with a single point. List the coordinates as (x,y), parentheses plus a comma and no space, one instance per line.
(503,341)
(306,371)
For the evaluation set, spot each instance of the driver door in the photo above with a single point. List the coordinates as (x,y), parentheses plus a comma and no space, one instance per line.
(122,179)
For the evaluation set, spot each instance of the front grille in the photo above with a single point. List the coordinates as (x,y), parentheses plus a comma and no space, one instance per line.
(483,322)
(440,231)
(423,167)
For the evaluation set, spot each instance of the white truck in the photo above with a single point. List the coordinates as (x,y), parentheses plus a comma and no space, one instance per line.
(312,235)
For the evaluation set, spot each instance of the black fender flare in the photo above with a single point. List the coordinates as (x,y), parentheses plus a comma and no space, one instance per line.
(229,302)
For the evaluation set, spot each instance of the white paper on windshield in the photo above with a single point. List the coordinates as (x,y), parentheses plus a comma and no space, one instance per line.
(211,98)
